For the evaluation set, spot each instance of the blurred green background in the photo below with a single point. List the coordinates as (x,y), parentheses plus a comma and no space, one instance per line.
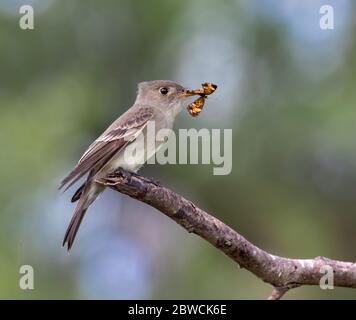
(286,88)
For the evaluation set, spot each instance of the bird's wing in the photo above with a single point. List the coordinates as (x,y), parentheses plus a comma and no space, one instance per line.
(123,131)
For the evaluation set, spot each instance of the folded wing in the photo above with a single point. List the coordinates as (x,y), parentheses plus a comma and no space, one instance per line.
(123,131)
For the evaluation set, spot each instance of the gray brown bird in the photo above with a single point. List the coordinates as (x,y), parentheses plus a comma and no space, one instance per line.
(159,101)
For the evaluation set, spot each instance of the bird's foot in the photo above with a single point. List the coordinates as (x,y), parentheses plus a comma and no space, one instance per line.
(148,180)
(113,178)
(153,181)
(119,174)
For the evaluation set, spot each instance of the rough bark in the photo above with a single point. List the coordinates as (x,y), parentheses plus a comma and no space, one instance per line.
(282,273)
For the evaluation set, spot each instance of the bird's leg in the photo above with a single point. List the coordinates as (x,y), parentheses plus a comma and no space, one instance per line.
(149,180)
(154,181)
(114,177)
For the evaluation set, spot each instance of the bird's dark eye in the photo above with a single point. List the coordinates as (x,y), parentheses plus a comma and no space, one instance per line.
(163,90)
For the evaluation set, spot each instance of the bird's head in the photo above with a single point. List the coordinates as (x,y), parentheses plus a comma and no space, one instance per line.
(168,95)
(163,93)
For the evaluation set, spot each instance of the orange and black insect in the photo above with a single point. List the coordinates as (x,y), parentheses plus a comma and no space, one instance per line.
(197,105)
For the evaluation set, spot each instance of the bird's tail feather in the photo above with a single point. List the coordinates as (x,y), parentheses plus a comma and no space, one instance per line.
(89,193)
(73,227)
(78,193)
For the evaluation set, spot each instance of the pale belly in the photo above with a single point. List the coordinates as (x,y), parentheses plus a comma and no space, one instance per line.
(137,153)
(131,158)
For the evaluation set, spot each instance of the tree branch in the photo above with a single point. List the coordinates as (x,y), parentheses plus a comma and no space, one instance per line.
(277,293)
(282,273)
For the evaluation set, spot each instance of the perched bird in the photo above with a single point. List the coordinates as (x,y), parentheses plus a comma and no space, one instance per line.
(159,101)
